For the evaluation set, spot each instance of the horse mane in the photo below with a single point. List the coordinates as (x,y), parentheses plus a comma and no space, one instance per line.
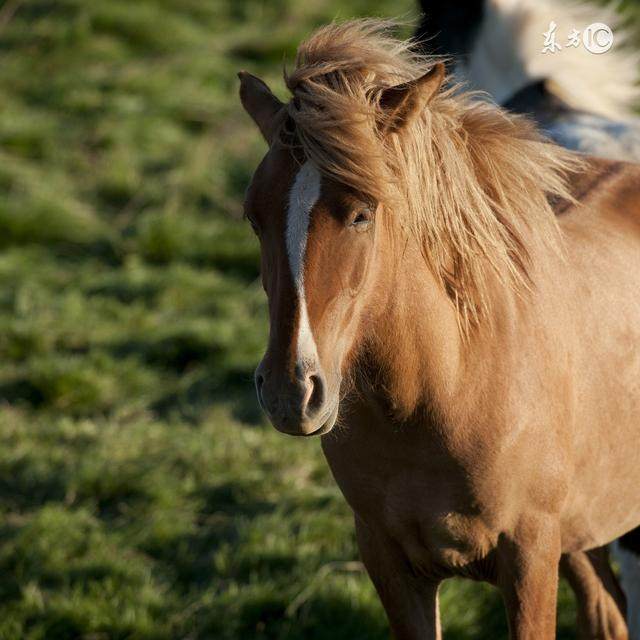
(472,182)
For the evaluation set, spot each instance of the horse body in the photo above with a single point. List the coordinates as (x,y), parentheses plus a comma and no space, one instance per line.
(483,362)
(604,253)
(548,394)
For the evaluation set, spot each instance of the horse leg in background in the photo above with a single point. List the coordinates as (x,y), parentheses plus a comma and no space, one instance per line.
(410,600)
(527,571)
(626,550)
(599,598)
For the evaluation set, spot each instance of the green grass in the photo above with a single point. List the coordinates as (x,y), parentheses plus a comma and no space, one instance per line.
(142,495)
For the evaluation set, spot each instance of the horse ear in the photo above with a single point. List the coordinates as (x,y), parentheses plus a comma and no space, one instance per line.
(405,101)
(260,104)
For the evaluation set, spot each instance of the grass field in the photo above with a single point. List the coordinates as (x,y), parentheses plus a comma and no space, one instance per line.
(142,495)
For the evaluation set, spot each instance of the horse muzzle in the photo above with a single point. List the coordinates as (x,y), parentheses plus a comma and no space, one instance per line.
(298,406)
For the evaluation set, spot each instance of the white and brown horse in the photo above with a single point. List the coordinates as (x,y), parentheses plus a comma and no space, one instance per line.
(583,101)
(462,299)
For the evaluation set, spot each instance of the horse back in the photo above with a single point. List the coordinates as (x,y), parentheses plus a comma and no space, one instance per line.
(600,292)
(603,221)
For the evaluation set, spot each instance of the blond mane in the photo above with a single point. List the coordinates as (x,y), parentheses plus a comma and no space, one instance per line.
(472,181)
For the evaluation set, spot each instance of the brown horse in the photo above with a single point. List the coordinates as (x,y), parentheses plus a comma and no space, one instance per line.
(462,299)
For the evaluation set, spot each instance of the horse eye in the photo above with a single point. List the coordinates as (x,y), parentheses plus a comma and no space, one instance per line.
(362,217)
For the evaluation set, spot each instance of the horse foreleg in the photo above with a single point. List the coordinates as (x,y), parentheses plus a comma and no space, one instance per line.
(410,601)
(527,572)
(599,598)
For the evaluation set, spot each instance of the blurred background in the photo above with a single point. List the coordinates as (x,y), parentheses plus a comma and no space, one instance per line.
(142,495)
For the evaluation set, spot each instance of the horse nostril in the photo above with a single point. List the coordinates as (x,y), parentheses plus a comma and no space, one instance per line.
(315,393)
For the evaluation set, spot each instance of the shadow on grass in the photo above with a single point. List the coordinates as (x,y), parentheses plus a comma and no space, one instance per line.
(234,388)
(176,352)
(21,391)
(25,485)
(324,617)
(126,291)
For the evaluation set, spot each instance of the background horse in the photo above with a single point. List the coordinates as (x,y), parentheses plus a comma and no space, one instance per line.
(583,101)
(422,295)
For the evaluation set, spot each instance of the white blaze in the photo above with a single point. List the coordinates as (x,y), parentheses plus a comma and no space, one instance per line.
(302,198)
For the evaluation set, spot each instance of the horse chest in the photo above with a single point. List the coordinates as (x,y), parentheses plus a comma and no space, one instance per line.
(421,500)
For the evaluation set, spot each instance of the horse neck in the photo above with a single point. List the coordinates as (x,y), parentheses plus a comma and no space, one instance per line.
(415,347)
(419,359)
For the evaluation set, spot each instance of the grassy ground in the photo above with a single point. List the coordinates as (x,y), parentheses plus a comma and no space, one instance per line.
(141,494)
